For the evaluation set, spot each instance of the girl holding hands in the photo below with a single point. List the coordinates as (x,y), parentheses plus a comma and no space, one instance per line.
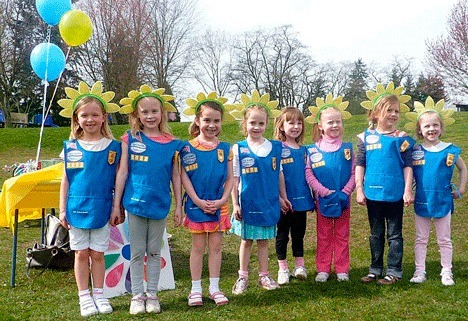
(207,178)
(330,173)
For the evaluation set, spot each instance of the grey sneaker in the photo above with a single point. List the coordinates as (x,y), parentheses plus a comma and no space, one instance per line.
(137,305)
(447,279)
(152,303)
(418,278)
(342,277)
(322,277)
(300,272)
(267,283)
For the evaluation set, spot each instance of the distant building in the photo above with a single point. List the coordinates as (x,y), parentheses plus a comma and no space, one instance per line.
(462,107)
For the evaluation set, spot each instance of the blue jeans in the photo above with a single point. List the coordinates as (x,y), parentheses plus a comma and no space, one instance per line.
(389,215)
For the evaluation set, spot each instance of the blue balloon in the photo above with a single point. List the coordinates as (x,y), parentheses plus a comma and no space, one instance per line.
(52,10)
(47,58)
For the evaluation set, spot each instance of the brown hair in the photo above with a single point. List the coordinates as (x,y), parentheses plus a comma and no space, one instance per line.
(136,125)
(76,131)
(382,106)
(247,112)
(418,124)
(194,129)
(288,114)
(316,131)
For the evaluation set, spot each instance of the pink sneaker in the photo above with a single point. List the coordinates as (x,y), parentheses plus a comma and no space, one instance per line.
(267,283)
(240,286)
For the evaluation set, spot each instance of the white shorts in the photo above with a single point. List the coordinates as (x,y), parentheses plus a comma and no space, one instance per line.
(96,240)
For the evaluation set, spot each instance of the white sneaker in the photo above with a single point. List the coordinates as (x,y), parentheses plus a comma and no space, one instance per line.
(283,277)
(418,278)
(103,305)
(152,303)
(87,307)
(300,272)
(137,305)
(322,277)
(342,277)
(447,279)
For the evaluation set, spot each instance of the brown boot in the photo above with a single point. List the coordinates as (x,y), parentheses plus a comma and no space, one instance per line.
(369,278)
(388,280)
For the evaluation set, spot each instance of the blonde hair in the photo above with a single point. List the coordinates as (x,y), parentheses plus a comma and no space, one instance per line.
(136,125)
(76,131)
(317,133)
(194,129)
(288,114)
(380,108)
(247,112)
(418,124)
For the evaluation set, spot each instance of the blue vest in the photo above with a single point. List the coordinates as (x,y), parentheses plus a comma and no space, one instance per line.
(433,172)
(293,162)
(207,171)
(259,196)
(332,170)
(148,188)
(384,179)
(91,179)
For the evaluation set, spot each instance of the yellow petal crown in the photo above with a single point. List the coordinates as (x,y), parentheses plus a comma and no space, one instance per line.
(256,100)
(329,102)
(201,98)
(75,95)
(429,106)
(381,91)
(129,103)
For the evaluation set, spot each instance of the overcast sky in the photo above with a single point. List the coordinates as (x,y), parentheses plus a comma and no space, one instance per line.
(341,30)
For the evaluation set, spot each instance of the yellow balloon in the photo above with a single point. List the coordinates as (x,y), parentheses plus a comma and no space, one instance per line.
(75,27)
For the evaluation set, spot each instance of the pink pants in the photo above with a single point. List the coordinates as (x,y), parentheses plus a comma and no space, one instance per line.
(423,228)
(333,242)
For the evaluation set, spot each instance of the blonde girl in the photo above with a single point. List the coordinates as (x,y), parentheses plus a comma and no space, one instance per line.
(434,162)
(91,156)
(148,166)
(384,179)
(258,185)
(207,178)
(289,129)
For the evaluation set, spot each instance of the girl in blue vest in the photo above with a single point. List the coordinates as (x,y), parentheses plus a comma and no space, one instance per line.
(258,185)
(433,164)
(91,158)
(207,179)
(289,128)
(384,178)
(330,173)
(147,168)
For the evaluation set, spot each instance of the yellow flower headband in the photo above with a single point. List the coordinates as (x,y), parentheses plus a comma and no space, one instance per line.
(129,102)
(74,96)
(429,106)
(195,103)
(329,102)
(256,100)
(381,91)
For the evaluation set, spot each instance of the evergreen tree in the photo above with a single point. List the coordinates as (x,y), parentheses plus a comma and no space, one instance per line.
(356,90)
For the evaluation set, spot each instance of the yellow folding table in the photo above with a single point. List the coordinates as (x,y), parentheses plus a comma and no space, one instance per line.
(25,197)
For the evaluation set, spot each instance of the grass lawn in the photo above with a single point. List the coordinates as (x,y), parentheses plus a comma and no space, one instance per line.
(53,295)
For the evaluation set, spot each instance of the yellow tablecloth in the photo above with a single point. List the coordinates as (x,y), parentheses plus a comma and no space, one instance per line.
(30,192)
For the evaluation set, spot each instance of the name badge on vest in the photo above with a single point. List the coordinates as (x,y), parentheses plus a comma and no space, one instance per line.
(220,155)
(111,157)
(273,163)
(449,161)
(347,153)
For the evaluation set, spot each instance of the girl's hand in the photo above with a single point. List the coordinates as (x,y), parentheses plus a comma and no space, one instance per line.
(286,205)
(408,198)
(206,206)
(117,216)
(63,220)
(360,197)
(330,191)
(177,217)
(236,211)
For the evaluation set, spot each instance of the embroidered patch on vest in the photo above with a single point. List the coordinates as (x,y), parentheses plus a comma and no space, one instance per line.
(374,146)
(404,146)
(191,167)
(318,164)
(75,165)
(111,157)
(249,170)
(287,160)
(220,155)
(139,158)
(419,162)
(273,163)
(450,158)
(347,153)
